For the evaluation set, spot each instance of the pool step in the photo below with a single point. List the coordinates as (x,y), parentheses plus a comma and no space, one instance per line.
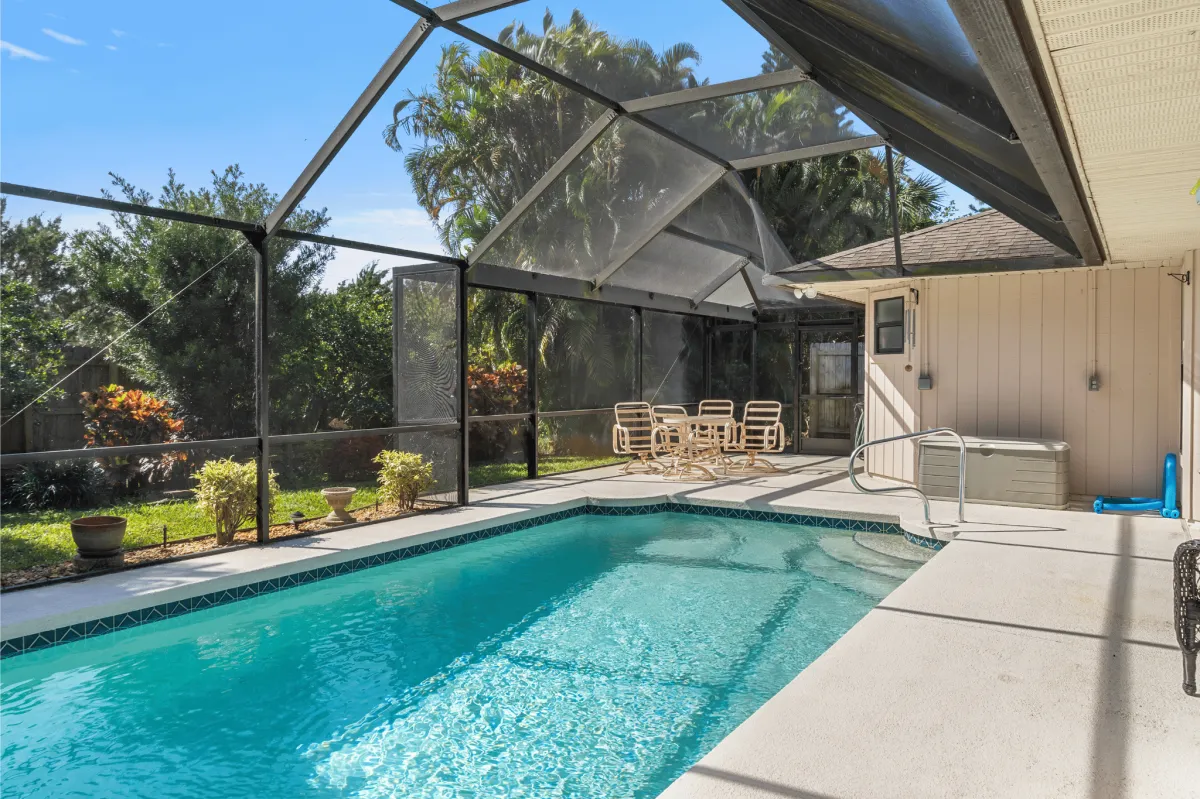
(844,549)
(838,572)
(893,546)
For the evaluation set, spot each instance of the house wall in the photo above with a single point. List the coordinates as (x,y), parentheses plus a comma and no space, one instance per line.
(1010,355)
(1189,456)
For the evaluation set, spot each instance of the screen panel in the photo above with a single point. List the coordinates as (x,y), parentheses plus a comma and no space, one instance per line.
(426,347)
(672,358)
(617,47)
(623,186)
(458,139)
(763,122)
(121,329)
(587,352)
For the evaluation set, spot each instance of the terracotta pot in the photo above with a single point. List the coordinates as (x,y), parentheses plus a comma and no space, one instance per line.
(99,536)
(338,499)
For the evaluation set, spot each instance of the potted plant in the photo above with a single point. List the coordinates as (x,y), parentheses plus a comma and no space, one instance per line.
(338,499)
(99,536)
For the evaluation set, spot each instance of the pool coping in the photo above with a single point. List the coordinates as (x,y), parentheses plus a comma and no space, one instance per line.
(368,556)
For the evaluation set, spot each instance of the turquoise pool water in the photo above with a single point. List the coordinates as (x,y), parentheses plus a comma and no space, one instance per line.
(591,657)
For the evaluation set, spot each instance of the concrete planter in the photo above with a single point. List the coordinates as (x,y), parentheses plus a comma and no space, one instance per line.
(338,499)
(99,536)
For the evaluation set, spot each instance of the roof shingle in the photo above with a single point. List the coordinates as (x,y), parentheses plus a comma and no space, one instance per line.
(986,236)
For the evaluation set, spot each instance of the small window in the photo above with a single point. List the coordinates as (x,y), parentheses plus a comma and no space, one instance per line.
(889,326)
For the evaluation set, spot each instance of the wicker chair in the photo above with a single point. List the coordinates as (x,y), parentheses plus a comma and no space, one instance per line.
(760,432)
(633,435)
(1187,609)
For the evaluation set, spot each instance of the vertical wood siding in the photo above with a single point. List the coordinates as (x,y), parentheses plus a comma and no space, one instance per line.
(1010,355)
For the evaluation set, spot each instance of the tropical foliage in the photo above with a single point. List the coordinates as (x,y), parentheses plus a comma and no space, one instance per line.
(402,478)
(227,494)
(825,205)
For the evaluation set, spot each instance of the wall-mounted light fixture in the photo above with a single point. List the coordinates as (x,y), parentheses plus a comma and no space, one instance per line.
(808,292)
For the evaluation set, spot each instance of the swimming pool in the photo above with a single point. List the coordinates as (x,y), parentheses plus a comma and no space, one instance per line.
(590,657)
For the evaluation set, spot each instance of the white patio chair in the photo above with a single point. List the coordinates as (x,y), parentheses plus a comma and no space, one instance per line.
(760,432)
(633,435)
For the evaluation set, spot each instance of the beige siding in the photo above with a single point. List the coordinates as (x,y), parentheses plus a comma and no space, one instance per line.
(1189,482)
(1010,355)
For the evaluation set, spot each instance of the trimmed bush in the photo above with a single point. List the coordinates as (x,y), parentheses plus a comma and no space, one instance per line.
(227,494)
(402,478)
(60,485)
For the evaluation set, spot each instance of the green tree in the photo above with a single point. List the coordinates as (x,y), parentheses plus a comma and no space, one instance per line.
(32,251)
(185,295)
(490,129)
(825,205)
(36,297)
(32,341)
(342,377)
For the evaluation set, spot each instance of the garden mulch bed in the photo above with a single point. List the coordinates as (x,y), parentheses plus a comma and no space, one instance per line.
(188,547)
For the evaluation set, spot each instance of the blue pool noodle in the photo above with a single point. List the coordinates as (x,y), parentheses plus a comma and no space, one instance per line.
(1168,506)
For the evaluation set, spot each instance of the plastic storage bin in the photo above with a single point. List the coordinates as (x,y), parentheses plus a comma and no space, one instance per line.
(1031,473)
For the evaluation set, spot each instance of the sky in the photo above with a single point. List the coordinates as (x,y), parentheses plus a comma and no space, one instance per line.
(137,88)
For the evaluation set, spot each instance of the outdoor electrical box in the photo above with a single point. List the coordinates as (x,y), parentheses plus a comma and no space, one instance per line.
(924,383)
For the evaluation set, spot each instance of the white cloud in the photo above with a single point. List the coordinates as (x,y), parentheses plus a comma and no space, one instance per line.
(20,52)
(118,33)
(62,37)
(110,47)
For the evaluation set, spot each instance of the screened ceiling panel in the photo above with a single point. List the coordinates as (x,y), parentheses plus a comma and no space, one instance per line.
(138,88)
(629,53)
(734,292)
(925,29)
(723,214)
(763,122)
(953,127)
(452,146)
(673,265)
(628,184)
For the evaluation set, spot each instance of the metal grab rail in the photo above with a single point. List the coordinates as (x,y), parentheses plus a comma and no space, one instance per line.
(962,468)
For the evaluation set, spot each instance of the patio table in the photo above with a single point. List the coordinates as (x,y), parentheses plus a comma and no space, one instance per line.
(696,450)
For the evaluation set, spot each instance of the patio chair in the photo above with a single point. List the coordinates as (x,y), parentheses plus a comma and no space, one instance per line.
(719,436)
(685,444)
(633,435)
(760,432)
(667,439)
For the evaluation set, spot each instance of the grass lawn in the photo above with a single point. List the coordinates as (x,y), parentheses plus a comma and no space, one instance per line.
(32,539)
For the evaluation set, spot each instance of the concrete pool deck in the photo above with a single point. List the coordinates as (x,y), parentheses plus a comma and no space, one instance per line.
(1034,656)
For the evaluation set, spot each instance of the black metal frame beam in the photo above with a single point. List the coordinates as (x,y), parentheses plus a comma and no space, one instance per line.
(508,279)
(946,162)
(262,382)
(533,355)
(897,123)
(120,207)
(818,30)
(894,212)
(999,39)
(16,458)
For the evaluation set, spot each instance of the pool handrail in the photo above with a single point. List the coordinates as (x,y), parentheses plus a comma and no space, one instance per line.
(962,467)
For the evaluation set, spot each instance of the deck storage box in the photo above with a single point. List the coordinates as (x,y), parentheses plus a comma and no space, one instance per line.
(1031,473)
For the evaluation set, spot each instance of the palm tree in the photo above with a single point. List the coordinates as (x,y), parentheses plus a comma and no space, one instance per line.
(825,205)
(491,128)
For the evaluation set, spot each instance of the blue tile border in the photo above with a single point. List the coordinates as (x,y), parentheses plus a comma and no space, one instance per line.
(90,629)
